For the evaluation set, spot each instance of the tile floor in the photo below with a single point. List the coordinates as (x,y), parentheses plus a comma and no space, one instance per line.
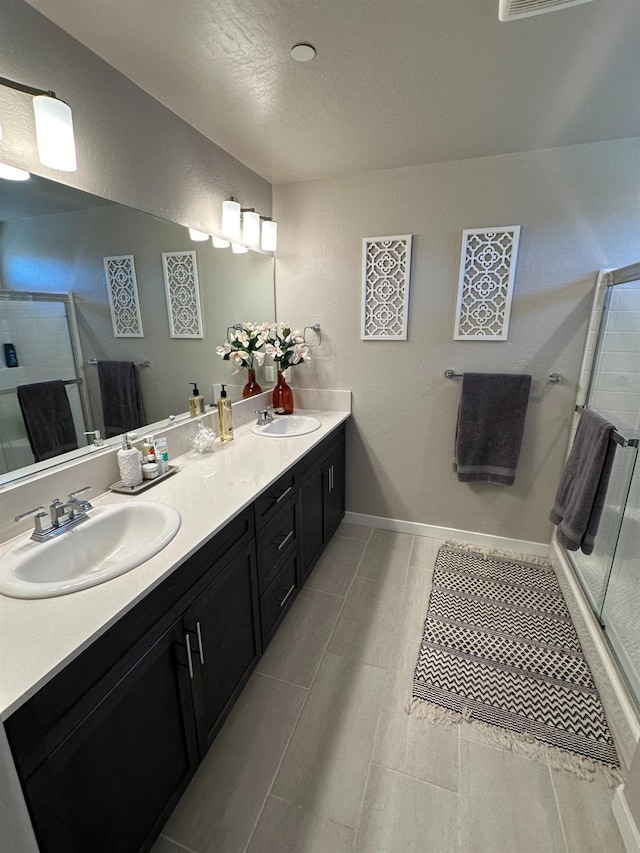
(318,755)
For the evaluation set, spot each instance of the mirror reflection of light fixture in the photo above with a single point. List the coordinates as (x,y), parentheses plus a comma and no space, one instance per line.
(54,127)
(230,224)
(11,173)
(219,243)
(238,249)
(250,228)
(197,235)
(269,242)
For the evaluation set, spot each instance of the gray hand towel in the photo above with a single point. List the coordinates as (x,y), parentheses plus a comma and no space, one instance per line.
(583,485)
(122,407)
(493,408)
(47,417)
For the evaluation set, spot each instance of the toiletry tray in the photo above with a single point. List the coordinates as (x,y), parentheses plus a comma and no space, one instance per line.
(145,484)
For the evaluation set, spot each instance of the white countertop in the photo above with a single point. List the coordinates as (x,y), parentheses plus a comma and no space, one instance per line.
(39,637)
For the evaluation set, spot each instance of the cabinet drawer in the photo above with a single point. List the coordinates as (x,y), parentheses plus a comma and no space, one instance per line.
(277,598)
(274,541)
(272,500)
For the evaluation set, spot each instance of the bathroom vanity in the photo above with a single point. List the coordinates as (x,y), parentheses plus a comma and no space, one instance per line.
(105,747)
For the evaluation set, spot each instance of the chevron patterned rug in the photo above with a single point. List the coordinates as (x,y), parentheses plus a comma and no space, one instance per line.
(499,647)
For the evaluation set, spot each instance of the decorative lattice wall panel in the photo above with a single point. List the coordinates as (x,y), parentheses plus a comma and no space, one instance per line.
(485,286)
(122,287)
(386,273)
(183,294)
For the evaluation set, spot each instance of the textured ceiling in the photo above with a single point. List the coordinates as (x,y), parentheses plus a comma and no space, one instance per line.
(394,82)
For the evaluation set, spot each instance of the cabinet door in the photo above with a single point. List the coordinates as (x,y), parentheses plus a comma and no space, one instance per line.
(112,783)
(311,499)
(333,475)
(225,646)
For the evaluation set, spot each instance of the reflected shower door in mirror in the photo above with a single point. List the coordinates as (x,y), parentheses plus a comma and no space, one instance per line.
(53,241)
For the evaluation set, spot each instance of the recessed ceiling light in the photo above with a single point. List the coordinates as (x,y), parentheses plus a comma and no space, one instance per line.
(303,52)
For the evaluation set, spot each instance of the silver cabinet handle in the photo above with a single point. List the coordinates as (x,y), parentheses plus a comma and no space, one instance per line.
(330,474)
(200,649)
(286,492)
(285,540)
(287,596)
(189,661)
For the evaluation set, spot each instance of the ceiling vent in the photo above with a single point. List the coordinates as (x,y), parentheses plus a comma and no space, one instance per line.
(511,10)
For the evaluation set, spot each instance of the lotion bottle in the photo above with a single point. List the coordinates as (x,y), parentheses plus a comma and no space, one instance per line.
(129,462)
(224,417)
(196,402)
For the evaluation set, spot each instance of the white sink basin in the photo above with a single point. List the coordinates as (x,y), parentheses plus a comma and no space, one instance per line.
(113,540)
(284,426)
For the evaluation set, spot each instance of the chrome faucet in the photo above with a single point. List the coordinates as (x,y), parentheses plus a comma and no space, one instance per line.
(98,440)
(63,515)
(265,416)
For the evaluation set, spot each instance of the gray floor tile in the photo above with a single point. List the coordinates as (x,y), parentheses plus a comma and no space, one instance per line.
(406,743)
(366,628)
(325,766)
(386,557)
(424,552)
(585,812)
(354,531)
(285,828)
(414,603)
(336,568)
(218,810)
(294,653)
(401,814)
(507,804)
(166,845)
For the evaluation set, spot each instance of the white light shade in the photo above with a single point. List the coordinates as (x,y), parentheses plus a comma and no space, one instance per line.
(10,173)
(238,249)
(251,228)
(219,243)
(197,235)
(269,235)
(54,134)
(230,225)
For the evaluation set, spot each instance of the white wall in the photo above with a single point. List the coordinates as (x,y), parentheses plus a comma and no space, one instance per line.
(578,208)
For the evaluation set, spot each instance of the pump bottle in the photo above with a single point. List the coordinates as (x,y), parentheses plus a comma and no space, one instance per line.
(196,402)
(129,462)
(225,423)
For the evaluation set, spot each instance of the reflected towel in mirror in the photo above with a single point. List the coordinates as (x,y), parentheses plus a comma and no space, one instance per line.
(47,418)
(122,407)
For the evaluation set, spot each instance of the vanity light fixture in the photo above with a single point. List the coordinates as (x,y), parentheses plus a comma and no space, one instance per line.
(11,173)
(250,228)
(230,224)
(238,249)
(269,242)
(54,127)
(219,243)
(197,236)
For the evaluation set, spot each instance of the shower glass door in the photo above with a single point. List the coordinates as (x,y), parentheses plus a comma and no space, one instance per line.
(611,575)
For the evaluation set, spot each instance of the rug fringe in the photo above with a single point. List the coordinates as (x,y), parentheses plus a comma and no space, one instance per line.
(497,552)
(520,743)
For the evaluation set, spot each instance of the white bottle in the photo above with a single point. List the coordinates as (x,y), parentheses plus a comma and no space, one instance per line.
(129,462)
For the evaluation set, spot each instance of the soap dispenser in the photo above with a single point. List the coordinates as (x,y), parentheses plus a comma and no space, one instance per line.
(196,402)
(225,422)
(129,462)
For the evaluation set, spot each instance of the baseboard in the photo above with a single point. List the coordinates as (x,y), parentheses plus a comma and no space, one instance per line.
(626,824)
(521,546)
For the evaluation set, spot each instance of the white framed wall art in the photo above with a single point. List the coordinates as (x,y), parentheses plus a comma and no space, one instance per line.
(183,294)
(485,284)
(386,276)
(124,303)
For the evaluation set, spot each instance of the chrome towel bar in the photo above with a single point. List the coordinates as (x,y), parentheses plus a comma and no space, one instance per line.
(615,435)
(554,378)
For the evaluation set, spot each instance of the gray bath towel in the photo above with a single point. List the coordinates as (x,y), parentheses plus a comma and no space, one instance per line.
(122,408)
(47,418)
(583,486)
(493,408)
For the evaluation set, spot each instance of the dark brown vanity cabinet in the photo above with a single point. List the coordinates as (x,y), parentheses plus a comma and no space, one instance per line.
(321,499)
(106,748)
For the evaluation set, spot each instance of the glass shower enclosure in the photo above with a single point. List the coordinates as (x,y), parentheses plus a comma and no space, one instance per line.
(610,577)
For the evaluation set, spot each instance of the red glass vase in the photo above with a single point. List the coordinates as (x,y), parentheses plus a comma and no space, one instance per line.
(251,388)
(282,396)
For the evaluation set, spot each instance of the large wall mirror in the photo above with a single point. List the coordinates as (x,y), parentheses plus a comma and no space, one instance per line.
(55,311)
